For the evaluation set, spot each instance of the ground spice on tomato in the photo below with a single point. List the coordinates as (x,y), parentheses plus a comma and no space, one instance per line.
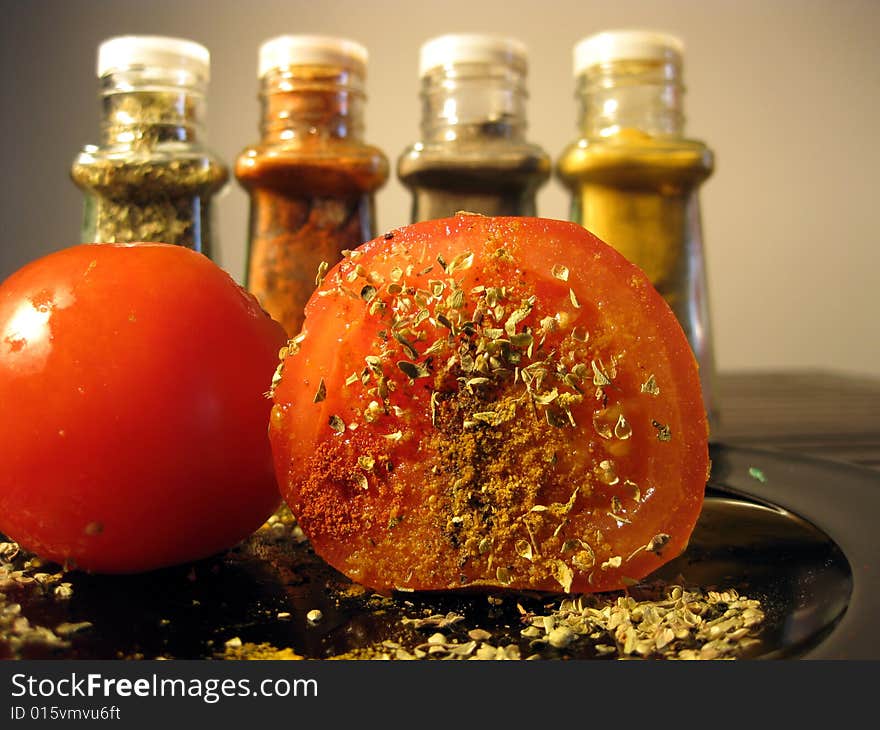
(498,475)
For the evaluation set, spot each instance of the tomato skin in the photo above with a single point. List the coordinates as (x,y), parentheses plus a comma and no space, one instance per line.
(132,382)
(579,502)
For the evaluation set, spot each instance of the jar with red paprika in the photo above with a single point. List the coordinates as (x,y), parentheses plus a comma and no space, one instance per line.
(311,178)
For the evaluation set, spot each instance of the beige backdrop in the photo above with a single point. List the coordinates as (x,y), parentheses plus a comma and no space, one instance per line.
(785,91)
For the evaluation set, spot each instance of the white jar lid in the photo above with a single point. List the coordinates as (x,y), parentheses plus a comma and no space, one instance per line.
(124,52)
(446,50)
(297,50)
(630,45)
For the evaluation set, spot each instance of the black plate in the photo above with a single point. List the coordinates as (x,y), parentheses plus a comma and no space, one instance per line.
(794,532)
(840,501)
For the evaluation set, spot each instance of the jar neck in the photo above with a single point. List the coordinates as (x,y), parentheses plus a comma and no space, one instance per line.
(312,103)
(473,101)
(643,95)
(142,108)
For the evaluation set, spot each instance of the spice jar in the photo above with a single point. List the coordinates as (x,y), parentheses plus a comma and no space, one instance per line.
(311,178)
(151,178)
(473,154)
(635,178)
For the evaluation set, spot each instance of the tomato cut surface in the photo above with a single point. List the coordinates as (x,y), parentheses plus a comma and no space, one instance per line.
(499,402)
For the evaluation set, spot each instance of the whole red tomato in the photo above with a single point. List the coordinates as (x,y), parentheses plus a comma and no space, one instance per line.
(133,426)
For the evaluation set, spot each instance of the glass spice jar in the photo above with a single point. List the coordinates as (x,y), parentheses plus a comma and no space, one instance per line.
(311,178)
(473,155)
(634,177)
(151,178)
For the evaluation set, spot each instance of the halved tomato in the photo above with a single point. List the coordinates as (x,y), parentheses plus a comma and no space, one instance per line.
(501,402)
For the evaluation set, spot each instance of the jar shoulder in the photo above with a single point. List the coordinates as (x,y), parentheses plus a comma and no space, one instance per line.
(498,158)
(635,155)
(106,168)
(319,165)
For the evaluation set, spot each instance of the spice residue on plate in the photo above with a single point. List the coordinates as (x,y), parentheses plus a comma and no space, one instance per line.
(22,575)
(648,621)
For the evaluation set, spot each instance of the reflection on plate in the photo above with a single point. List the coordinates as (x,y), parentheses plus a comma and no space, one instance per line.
(795,533)
(840,501)
(801,576)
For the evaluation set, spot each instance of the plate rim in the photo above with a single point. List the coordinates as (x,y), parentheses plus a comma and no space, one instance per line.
(847,522)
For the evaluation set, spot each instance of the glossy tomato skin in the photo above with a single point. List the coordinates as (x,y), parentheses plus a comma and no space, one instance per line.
(132,383)
(460,475)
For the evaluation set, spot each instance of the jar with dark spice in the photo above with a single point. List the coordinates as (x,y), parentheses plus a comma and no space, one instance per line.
(311,179)
(151,178)
(473,155)
(635,177)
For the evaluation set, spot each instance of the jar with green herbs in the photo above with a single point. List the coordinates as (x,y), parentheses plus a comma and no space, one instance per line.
(151,178)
